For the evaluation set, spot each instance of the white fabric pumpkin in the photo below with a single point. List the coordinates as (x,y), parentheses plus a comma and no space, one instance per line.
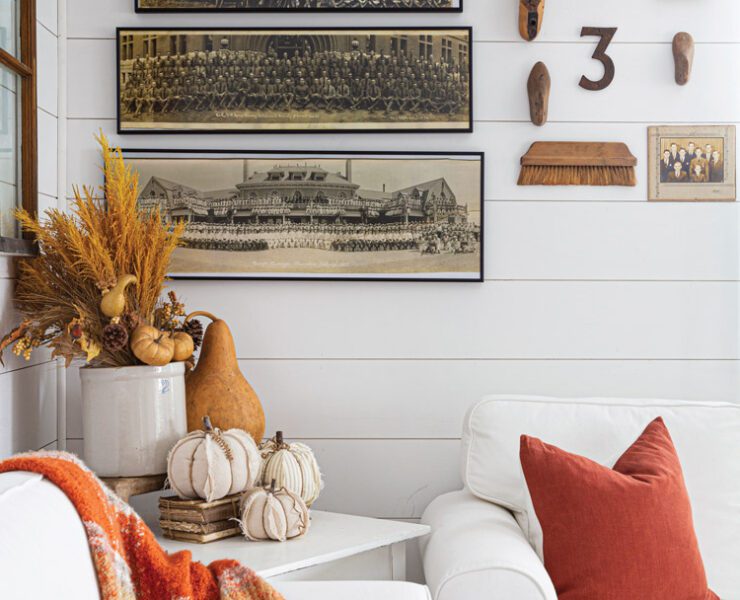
(291,466)
(212,464)
(269,514)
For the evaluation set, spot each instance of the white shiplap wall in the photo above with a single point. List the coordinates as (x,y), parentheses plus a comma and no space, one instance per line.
(588,291)
(28,392)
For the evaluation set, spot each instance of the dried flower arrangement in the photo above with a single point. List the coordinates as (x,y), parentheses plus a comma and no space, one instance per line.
(94,290)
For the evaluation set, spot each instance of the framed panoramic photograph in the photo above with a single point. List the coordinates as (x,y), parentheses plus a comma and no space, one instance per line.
(316,215)
(692,163)
(297,5)
(294,80)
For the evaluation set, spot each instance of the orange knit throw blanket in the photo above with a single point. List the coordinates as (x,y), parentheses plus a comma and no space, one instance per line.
(130,564)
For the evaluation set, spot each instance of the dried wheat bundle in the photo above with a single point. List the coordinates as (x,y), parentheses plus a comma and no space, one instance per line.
(81,255)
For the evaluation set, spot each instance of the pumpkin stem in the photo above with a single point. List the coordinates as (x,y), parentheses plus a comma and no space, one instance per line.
(201,313)
(272,486)
(207,423)
(279,438)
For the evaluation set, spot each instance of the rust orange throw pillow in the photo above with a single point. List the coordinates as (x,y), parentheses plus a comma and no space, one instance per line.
(616,534)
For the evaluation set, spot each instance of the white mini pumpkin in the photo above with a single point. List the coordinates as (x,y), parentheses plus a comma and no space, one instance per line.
(291,466)
(270,514)
(213,464)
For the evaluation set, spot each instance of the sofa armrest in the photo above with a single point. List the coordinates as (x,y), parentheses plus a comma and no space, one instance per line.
(477,551)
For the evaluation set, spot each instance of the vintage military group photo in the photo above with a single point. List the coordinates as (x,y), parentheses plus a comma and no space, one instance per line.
(279,5)
(692,163)
(312,215)
(295,80)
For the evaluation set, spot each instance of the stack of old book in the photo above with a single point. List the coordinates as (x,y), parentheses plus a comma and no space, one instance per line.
(197,520)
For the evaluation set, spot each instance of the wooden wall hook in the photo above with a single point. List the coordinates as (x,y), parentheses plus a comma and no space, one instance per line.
(683,55)
(531,13)
(538,89)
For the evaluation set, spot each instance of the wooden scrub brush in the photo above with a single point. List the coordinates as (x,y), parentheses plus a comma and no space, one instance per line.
(578,163)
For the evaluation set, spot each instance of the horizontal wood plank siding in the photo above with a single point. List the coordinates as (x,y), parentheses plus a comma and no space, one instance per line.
(589,291)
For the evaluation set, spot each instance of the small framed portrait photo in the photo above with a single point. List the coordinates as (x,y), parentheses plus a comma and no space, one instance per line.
(692,163)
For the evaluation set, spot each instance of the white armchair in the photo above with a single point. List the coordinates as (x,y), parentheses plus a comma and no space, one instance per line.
(477,546)
(478,550)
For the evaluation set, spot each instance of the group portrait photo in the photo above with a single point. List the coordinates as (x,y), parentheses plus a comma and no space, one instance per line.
(313,215)
(686,160)
(692,163)
(295,5)
(262,80)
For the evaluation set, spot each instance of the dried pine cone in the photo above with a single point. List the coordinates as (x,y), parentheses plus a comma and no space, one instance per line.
(194,329)
(130,321)
(115,337)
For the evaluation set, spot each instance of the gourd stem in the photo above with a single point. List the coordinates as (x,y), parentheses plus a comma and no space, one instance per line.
(280,442)
(207,423)
(202,313)
(272,486)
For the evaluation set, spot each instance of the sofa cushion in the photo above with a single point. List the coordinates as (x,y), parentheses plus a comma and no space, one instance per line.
(625,532)
(706,437)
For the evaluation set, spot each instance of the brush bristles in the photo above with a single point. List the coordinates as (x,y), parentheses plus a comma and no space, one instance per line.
(537,175)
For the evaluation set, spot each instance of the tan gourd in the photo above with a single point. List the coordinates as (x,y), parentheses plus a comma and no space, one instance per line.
(152,346)
(216,387)
(113,302)
(184,346)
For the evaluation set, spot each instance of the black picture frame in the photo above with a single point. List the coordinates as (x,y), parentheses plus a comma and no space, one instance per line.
(133,153)
(141,9)
(413,127)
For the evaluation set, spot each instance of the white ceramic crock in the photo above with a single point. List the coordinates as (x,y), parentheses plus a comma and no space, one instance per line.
(132,416)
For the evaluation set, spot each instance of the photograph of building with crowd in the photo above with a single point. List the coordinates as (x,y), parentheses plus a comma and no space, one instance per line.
(292,215)
(236,5)
(294,80)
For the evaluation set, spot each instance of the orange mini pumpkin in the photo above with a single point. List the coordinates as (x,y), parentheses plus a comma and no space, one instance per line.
(152,346)
(184,346)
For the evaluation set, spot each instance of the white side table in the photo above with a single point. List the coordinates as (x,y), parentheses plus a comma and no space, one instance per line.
(337,547)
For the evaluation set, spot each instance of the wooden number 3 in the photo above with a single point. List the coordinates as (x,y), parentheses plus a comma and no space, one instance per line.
(606,34)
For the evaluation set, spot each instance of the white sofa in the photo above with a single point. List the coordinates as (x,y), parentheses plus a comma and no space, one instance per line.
(44,552)
(477,549)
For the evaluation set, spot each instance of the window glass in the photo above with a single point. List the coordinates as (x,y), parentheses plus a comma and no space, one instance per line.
(9,86)
(9,26)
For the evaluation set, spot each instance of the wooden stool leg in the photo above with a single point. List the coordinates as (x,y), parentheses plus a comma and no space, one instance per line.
(125,487)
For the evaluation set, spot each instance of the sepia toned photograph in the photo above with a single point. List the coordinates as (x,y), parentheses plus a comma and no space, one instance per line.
(294,80)
(692,163)
(313,215)
(296,5)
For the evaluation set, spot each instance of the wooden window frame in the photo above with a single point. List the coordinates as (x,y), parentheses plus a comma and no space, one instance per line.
(25,68)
